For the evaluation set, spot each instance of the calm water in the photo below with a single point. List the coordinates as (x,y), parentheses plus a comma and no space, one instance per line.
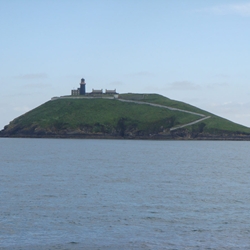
(115,194)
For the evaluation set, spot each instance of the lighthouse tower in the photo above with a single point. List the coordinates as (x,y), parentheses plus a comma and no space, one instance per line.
(82,87)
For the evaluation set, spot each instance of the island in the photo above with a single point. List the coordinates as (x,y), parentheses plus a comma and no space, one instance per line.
(109,115)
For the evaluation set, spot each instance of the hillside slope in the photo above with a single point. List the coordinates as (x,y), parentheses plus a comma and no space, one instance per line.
(142,116)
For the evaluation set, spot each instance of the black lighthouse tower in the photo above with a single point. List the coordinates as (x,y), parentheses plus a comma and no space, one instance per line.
(82,87)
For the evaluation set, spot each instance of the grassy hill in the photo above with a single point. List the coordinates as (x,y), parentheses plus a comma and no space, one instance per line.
(212,125)
(112,118)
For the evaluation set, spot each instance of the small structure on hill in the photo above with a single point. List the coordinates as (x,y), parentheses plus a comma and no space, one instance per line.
(110,92)
(96,91)
(82,90)
(82,87)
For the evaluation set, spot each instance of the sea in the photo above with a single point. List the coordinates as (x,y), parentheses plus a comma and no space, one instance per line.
(124,194)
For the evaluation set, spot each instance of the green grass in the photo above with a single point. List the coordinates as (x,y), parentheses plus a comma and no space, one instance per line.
(162,100)
(213,125)
(77,113)
(216,123)
(99,115)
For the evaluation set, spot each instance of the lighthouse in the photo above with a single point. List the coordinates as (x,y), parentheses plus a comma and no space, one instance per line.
(82,87)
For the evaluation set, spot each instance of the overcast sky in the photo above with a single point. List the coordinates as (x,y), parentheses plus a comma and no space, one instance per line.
(188,50)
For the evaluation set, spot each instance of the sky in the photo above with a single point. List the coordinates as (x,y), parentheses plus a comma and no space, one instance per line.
(192,51)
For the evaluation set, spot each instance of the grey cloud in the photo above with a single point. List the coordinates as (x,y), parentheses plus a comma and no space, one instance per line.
(222,76)
(183,85)
(37,85)
(234,111)
(115,83)
(216,85)
(21,108)
(32,76)
(141,73)
(232,107)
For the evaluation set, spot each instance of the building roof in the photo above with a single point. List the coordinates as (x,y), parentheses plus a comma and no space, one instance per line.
(96,91)
(110,91)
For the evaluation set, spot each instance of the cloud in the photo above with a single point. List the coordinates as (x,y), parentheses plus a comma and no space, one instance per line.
(32,76)
(218,85)
(242,9)
(232,107)
(175,86)
(37,85)
(21,109)
(234,111)
(222,76)
(183,85)
(116,83)
(141,73)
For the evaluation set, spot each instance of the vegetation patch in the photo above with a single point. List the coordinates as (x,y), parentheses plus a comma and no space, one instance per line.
(117,119)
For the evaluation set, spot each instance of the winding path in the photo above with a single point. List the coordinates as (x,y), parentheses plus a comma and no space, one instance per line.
(173,109)
(204,117)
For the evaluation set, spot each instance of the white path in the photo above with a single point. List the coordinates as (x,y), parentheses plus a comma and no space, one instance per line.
(173,109)
(191,123)
(162,106)
(146,103)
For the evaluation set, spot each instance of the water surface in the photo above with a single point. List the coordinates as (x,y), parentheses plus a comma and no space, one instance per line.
(122,194)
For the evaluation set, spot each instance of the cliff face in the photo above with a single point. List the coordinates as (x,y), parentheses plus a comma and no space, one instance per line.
(88,133)
(121,128)
(152,117)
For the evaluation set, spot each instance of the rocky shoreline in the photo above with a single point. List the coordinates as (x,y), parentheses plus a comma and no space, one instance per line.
(180,135)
